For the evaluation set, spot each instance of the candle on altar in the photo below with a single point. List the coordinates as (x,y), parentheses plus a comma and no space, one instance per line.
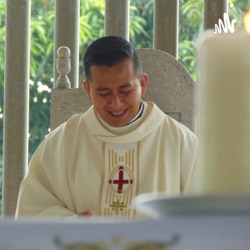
(223,114)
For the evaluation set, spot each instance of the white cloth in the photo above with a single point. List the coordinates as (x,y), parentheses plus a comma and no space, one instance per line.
(84,164)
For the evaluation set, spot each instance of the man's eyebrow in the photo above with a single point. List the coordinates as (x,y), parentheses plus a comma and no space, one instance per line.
(101,89)
(125,85)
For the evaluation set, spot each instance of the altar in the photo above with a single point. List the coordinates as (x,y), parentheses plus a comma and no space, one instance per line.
(206,232)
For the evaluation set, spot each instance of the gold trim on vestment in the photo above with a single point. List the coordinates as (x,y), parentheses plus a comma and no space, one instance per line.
(120,179)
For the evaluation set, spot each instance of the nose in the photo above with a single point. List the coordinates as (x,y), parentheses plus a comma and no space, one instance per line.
(116,102)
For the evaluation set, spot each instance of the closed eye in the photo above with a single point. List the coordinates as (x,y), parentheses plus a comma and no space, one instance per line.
(125,92)
(125,89)
(104,93)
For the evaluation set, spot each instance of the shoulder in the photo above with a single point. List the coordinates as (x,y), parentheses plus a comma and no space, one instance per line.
(168,126)
(72,122)
(177,125)
(66,129)
(179,131)
(170,122)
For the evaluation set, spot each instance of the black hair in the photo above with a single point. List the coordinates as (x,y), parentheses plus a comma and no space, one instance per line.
(109,51)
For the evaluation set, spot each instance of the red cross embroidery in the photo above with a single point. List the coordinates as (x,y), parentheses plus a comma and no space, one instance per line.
(120,181)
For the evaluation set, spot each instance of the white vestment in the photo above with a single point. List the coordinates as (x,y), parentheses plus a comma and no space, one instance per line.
(87,164)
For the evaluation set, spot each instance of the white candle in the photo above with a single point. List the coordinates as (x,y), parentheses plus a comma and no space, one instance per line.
(224,114)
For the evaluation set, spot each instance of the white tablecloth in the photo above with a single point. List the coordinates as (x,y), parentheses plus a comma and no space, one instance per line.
(209,232)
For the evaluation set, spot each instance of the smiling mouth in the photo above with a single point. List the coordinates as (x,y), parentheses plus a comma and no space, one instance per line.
(117,113)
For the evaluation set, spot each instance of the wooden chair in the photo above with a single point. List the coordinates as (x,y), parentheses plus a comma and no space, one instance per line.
(170,86)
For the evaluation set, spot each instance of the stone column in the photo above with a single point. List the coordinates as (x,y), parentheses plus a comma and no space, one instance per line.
(67,15)
(166,19)
(117,18)
(16,100)
(213,11)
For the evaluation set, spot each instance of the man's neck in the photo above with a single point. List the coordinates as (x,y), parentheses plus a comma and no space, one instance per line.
(139,114)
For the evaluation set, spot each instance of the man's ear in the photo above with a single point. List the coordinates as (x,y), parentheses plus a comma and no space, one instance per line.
(144,83)
(87,89)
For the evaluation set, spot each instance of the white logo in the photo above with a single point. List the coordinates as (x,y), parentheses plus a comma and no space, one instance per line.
(226,25)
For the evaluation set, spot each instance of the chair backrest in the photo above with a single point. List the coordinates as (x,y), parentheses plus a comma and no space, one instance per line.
(170,86)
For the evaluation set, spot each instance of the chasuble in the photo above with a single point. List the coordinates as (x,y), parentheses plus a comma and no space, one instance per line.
(87,164)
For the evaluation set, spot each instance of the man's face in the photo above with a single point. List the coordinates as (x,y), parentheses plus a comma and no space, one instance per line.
(116,92)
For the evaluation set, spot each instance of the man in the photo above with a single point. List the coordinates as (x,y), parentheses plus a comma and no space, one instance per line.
(97,162)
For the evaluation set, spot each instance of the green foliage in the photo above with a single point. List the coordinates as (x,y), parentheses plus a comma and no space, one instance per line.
(190,19)
(237,10)
(141,23)
(91,26)
(41,71)
(92,20)
(190,27)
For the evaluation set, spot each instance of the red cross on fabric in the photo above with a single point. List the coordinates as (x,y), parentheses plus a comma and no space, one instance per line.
(120,181)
